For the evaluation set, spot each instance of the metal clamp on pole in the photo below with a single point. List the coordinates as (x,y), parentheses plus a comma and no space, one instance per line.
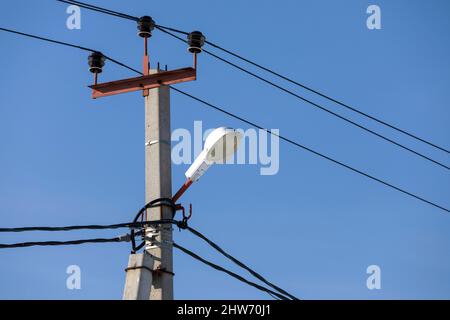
(152,142)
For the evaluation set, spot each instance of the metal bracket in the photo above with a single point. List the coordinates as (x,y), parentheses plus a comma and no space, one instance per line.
(150,81)
(152,142)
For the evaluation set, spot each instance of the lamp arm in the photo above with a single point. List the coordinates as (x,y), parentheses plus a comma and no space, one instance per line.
(182,190)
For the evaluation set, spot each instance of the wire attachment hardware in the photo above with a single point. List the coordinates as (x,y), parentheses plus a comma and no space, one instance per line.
(151,230)
(183,224)
(96,61)
(150,234)
(148,81)
(196,40)
(145,26)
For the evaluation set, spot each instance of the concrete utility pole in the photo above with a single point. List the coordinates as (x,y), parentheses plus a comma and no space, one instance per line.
(139,277)
(158,184)
(150,274)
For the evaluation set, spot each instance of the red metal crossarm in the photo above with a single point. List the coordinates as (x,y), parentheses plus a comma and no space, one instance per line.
(143,82)
(146,81)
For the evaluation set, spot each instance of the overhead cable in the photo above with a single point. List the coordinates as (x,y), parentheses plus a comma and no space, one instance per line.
(345,105)
(316,105)
(230,273)
(288,140)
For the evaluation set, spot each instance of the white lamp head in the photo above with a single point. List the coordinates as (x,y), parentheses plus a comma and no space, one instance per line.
(220,145)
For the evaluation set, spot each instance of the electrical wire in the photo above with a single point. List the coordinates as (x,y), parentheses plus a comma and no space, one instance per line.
(275,298)
(239,263)
(124,238)
(171,29)
(164,29)
(230,273)
(316,105)
(309,149)
(129,225)
(130,237)
(323,95)
(100,9)
(183,225)
(115,13)
(120,63)
(290,141)
(67,44)
(347,106)
(47,39)
(135,225)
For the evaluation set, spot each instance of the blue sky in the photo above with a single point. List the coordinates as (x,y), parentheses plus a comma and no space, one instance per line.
(313,228)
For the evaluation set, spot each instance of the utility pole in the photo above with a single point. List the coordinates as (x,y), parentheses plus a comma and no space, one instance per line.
(149,275)
(158,184)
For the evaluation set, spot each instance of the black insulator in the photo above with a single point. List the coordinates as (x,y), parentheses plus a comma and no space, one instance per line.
(196,40)
(96,62)
(145,26)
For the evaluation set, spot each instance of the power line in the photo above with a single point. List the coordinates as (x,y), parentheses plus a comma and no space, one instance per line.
(275,298)
(121,64)
(239,263)
(316,105)
(115,13)
(67,44)
(309,149)
(298,144)
(129,237)
(171,29)
(130,225)
(345,105)
(230,273)
(47,39)
(183,225)
(100,9)
(124,238)
(164,29)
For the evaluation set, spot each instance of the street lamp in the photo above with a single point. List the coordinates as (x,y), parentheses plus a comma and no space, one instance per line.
(219,146)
